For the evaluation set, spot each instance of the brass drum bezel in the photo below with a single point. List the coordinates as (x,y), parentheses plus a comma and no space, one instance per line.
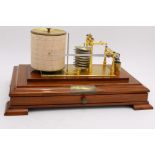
(48,31)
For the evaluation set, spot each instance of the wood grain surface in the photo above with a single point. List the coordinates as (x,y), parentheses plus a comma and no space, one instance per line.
(29,90)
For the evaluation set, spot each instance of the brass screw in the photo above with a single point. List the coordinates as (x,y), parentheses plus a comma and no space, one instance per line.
(48,30)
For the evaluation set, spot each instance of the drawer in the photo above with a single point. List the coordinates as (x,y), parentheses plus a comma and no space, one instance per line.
(78,99)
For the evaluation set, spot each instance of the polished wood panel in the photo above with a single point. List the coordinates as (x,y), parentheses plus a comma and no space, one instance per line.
(76,99)
(29,90)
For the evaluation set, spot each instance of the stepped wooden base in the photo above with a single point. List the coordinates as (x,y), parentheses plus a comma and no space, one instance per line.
(15,111)
(29,91)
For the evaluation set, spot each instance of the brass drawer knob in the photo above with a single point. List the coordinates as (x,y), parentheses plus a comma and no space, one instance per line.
(84,99)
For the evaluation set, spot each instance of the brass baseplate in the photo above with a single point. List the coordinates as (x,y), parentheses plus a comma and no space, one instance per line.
(97,71)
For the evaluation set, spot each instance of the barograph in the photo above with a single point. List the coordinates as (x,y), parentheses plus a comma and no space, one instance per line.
(50,81)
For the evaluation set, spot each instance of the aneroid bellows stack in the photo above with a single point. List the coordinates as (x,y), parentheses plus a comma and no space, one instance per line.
(82,61)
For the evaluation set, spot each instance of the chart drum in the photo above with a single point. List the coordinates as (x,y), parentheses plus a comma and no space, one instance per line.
(48,47)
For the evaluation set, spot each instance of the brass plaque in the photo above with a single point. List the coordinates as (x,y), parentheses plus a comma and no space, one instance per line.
(83,89)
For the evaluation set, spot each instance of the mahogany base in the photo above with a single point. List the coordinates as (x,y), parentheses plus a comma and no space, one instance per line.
(15,111)
(29,91)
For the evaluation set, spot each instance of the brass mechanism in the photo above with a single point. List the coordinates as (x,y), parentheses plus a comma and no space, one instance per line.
(82,62)
(85,62)
(116,64)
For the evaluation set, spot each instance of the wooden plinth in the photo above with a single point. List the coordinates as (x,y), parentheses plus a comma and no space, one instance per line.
(29,90)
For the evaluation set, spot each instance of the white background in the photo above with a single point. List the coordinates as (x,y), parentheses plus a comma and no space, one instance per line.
(69,12)
(136,46)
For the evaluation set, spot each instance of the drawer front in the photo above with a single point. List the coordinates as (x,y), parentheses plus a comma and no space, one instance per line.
(78,99)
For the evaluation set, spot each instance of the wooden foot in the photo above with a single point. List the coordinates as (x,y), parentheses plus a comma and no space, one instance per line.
(14,111)
(143,106)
